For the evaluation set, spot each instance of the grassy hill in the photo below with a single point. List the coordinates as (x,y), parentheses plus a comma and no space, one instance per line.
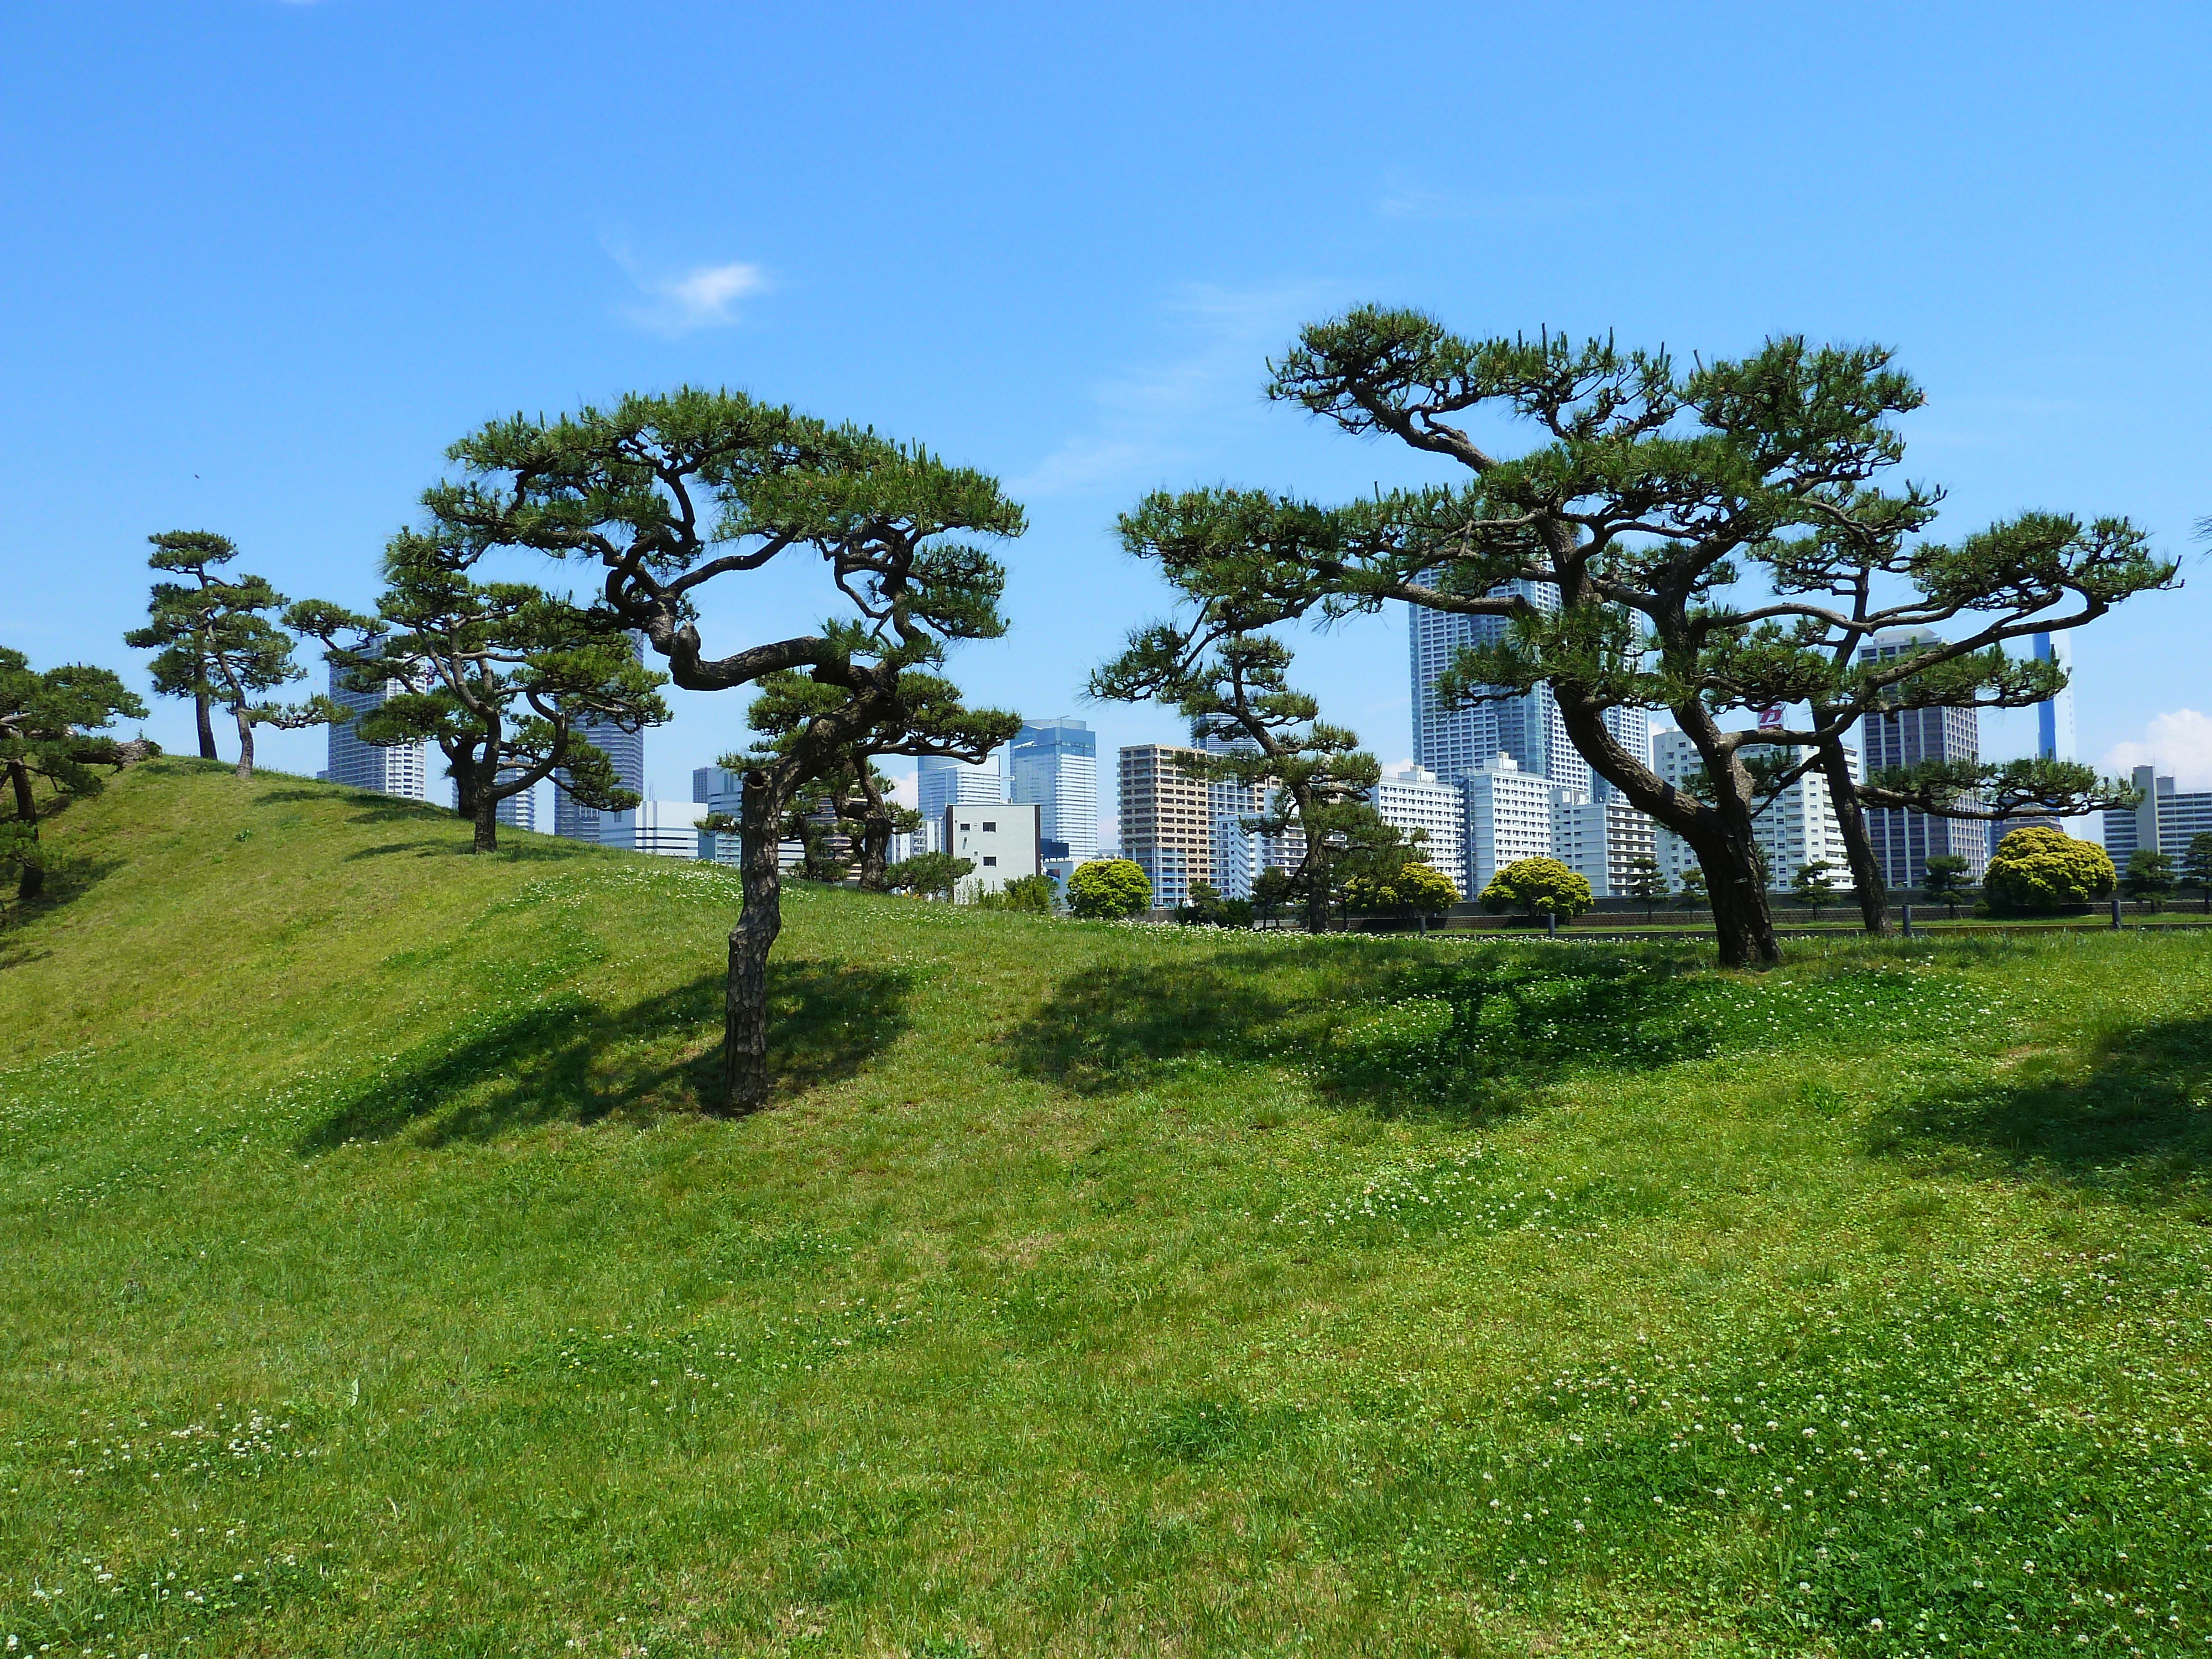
(369,1282)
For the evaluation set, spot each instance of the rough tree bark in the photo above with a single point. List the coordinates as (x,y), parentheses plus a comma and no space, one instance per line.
(32,880)
(204,713)
(744,1026)
(1868,880)
(875,834)
(245,743)
(1720,833)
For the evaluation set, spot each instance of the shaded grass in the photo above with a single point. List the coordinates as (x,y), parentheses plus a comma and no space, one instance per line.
(1090,1289)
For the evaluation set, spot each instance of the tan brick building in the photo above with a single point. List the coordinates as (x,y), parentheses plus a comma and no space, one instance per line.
(1166,821)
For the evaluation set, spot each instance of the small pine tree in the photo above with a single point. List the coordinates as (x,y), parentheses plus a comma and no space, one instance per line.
(1812,883)
(2149,878)
(1694,896)
(48,726)
(1647,885)
(929,875)
(1946,881)
(2196,866)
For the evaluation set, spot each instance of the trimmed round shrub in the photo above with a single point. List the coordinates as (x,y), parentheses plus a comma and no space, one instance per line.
(1538,887)
(1108,890)
(2039,868)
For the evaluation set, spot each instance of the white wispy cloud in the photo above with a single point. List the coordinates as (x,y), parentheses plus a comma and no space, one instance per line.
(705,296)
(1404,200)
(1161,417)
(2180,744)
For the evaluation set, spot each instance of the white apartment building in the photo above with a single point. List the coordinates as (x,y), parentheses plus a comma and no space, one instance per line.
(1415,799)
(1000,840)
(1599,840)
(1508,816)
(1241,855)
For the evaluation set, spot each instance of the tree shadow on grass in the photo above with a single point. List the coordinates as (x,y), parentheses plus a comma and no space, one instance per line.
(457,845)
(1466,1032)
(572,1061)
(2134,1117)
(69,876)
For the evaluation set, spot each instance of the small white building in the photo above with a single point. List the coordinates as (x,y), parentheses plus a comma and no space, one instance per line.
(1000,838)
(1600,839)
(666,829)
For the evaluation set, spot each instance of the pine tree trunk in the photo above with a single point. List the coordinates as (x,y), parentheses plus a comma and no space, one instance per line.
(465,790)
(744,1024)
(245,746)
(1743,923)
(486,818)
(32,880)
(203,711)
(1868,882)
(875,852)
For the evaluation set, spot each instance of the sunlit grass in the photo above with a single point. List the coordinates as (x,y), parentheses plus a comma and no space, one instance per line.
(370,1283)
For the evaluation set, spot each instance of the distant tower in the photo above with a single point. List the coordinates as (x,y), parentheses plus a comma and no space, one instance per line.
(1904,841)
(1455,742)
(573,820)
(2054,718)
(401,770)
(1054,764)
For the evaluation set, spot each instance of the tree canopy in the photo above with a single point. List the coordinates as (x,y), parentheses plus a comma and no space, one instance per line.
(213,642)
(1536,887)
(2196,866)
(2039,868)
(1108,890)
(502,677)
(1217,667)
(50,726)
(1415,888)
(668,493)
(1613,547)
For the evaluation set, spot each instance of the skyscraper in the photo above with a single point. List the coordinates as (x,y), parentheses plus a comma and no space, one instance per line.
(2054,717)
(400,769)
(1453,742)
(940,782)
(1053,764)
(1904,841)
(571,818)
(1166,821)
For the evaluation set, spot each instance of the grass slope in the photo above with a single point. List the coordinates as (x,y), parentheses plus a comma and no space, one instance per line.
(368,1284)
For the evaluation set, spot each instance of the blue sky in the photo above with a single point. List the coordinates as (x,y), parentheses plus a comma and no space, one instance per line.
(265,260)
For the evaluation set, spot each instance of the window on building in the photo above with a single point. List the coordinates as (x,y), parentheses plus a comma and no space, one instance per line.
(990,862)
(990,829)
(964,826)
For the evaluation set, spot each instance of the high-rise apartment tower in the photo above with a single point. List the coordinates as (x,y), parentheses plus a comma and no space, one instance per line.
(399,769)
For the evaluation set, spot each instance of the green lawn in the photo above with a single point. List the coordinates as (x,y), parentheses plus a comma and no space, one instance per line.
(370,1283)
